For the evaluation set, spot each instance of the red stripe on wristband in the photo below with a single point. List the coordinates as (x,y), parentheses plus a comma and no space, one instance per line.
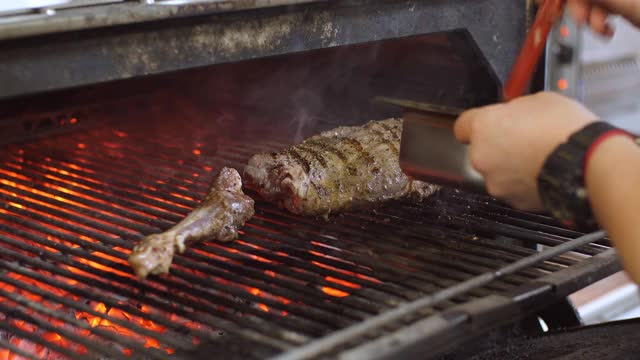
(596,143)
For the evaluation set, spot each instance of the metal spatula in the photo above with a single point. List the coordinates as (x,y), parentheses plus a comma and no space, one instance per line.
(429,150)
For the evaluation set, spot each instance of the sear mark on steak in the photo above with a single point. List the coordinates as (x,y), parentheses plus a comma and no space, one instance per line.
(221,213)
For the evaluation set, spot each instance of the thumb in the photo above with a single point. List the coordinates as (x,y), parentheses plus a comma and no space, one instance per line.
(463,126)
(629,9)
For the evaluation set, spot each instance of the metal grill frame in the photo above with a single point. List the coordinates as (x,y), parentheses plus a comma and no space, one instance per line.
(425,329)
(133,39)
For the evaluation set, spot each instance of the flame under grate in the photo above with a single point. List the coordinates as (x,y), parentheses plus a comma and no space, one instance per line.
(75,205)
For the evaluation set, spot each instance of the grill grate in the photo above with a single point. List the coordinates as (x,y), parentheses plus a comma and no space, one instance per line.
(75,205)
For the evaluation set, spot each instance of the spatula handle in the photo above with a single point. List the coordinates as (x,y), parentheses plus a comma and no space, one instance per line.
(549,13)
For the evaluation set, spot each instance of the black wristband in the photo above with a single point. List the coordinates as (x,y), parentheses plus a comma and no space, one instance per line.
(561,180)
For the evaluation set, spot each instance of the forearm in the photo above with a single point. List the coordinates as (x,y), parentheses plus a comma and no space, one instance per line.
(613,184)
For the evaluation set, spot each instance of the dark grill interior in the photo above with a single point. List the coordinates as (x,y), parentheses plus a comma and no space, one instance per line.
(74,206)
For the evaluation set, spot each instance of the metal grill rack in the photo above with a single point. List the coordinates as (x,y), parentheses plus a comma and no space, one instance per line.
(74,206)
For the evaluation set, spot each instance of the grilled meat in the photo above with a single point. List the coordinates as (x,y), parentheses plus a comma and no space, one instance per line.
(341,169)
(223,211)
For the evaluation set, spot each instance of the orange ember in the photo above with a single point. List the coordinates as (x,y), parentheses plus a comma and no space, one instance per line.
(152,343)
(16,205)
(122,315)
(98,266)
(54,197)
(255,291)
(181,196)
(342,282)
(92,319)
(52,337)
(264,307)
(94,181)
(346,272)
(334,292)
(96,320)
(14,175)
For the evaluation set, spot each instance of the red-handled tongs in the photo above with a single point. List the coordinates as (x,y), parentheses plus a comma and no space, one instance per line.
(548,14)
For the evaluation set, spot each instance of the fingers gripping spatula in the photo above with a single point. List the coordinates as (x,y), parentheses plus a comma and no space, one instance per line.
(429,150)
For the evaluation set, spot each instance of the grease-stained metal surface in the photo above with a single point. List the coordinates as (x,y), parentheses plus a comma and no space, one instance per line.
(31,20)
(38,64)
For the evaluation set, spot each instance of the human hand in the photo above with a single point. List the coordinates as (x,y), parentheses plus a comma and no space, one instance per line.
(595,13)
(510,142)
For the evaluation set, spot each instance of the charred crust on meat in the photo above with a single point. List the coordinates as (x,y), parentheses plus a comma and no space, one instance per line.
(329,148)
(314,153)
(386,141)
(387,127)
(301,160)
(360,149)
